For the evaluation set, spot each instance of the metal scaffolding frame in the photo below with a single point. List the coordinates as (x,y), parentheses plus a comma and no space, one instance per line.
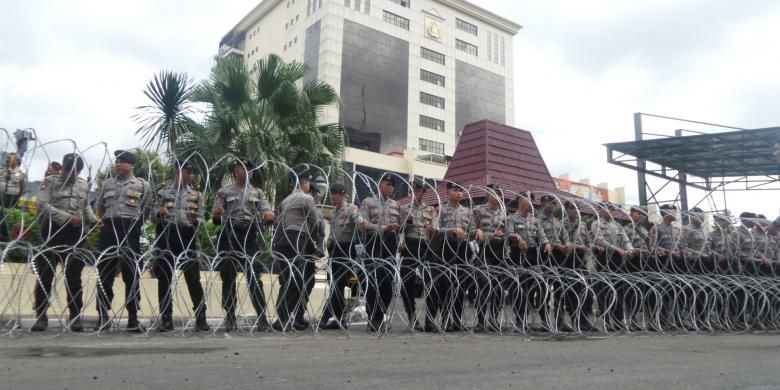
(737,160)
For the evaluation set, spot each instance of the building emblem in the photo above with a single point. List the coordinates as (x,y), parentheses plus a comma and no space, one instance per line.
(433,29)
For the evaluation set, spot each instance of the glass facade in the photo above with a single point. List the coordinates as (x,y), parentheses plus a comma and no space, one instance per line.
(374,89)
(311,51)
(479,94)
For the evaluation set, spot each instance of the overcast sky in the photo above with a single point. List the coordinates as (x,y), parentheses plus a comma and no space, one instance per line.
(76,70)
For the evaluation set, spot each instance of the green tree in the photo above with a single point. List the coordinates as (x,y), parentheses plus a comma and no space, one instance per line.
(169,113)
(266,113)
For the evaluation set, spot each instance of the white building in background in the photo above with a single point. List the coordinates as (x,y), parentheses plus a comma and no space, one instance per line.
(410,73)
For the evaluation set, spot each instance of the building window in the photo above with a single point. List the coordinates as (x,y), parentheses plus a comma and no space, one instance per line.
(431,100)
(495,48)
(432,146)
(431,77)
(295,40)
(347,3)
(431,123)
(296,17)
(467,47)
(503,53)
(394,19)
(357,5)
(431,55)
(402,3)
(490,46)
(466,26)
(368,7)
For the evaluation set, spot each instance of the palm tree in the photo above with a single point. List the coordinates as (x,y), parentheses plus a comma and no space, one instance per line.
(169,114)
(264,114)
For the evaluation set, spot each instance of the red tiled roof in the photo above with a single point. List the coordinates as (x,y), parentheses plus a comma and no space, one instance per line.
(493,153)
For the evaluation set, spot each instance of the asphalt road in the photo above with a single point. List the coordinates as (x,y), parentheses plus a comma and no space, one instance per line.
(396,361)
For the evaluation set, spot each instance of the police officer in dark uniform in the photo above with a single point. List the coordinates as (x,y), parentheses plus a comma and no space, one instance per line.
(242,210)
(384,220)
(180,210)
(298,235)
(66,214)
(345,223)
(124,203)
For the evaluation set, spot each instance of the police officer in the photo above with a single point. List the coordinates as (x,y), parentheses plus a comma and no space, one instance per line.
(420,220)
(612,247)
(580,241)
(66,214)
(124,203)
(345,222)
(180,210)
(561,244)
(383,215)
(639,237)
(452,254)
(242,210)
(13,181)
(664,249)
(722,246)
(665,240)
(488,230)
(527,244)
(298,236)
(694,243)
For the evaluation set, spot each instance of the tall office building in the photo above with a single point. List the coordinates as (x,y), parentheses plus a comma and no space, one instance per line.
(410,73)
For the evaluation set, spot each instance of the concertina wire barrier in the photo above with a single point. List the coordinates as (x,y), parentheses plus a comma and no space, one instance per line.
(454,289)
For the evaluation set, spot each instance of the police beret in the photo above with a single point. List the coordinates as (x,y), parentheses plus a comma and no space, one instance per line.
(721,216)
(305,176)
(668,207)
(696,210)
(776,222)
(528,195)
(638,209)
(71,160)
(451,184)
(747,214)
(388,177)
(419,183)
(126,156)
(184,164)
(245,161)
(338,188)
(547,198)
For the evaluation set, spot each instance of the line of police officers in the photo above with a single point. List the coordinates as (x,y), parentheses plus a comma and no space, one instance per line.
(449,241)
